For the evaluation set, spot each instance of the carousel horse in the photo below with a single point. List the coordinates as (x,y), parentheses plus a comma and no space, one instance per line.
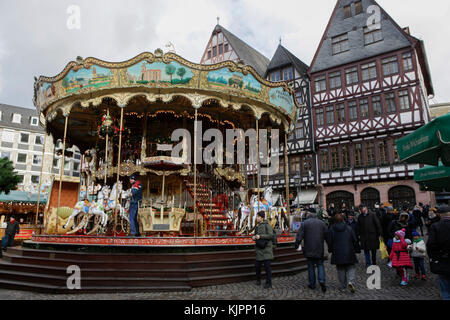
(113,203)
(95,208)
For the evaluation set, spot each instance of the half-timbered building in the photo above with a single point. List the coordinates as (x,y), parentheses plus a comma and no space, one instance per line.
(370,84)
(285,66)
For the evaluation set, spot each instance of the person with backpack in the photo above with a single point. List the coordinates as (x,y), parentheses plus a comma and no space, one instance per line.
(264,238)
(343,246)
(438,249)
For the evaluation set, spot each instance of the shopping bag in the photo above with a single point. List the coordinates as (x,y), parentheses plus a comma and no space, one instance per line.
(383,250)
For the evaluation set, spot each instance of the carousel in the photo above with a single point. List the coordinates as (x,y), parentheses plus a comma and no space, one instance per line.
(171,123)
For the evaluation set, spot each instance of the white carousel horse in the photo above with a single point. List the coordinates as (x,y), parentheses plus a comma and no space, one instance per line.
(94,207)
(113,203)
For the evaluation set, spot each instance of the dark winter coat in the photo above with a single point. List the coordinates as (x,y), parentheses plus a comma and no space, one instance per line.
(369,231)
(264,230)
(342,244)
(438,244)
(398,225)
(417,217)
(12,228)
(313,233)
(386,221)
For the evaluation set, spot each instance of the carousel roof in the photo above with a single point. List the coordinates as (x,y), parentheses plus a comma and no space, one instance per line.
(163,77)
(22,196)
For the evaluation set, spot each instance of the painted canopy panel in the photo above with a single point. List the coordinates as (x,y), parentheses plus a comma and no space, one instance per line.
(237,82)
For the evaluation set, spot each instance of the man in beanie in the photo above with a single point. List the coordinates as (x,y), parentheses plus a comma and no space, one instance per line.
(369,231)
(313,232)
(136,197)
(263,238)
(438,248)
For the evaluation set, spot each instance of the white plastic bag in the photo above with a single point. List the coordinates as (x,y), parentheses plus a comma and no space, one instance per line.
(299,247)
(390,264)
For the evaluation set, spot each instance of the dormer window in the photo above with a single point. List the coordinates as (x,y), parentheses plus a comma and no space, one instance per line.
(372,35)
(358,8)
(347,11)
(340,43)
(17,118)
(34,121)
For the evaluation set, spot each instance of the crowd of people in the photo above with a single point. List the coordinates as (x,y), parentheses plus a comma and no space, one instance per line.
(347,232)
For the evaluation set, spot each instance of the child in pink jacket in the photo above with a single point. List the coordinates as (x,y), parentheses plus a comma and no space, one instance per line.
(400,257)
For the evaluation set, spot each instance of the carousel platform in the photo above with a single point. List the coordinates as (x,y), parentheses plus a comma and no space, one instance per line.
(168,264)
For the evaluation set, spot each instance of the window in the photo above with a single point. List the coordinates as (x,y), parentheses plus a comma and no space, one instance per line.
(299,131)
(395,151)
(66,165)
(76,166)
(307,165)
(334,158)
(17,118)
(37,160)
(372,36)
(340,112)
(403,97)
(347,11)
(335,80)
(358,155)
(364,107)
(369,71)
(390,66)
(339,43)
(352,110)
(34,121)
(22,158)
(320,84)
(319,116)
(295,164)
(277,75)
(376,106)
(390,102)
(382,150)
(370,151)
(209,54)
(24,137)
(281,166)
(214,51)
(358,8)
(55,163)
(220,48)
(330,115)
(351,76)
(34,179)
(6,155)
(226,47)
(407,62)
(345,157)
(7,136)
(39,140)
(324,160)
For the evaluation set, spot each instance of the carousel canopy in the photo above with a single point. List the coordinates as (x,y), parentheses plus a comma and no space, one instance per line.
(163,78)
(22,196)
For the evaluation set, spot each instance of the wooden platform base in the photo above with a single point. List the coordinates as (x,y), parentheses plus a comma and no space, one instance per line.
(39,268)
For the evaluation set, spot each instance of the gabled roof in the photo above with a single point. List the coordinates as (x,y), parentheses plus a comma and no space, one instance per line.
(394,37)
(246,53)
(284,57)
(6,119)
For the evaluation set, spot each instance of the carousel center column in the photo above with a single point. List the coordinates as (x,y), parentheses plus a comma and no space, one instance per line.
(196,107)
(287,180)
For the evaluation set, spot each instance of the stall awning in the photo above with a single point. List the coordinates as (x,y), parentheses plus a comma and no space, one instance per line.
(22,196)
(306,197)
(428,144)
(433,178)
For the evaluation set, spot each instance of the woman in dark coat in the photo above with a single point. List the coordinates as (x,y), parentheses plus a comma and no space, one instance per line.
(343,246)
(369,231)
(263,231)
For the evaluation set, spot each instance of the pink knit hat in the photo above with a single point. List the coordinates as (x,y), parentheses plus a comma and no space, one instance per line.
(401,233)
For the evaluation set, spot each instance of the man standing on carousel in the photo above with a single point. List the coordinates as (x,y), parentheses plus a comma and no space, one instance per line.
(136,197)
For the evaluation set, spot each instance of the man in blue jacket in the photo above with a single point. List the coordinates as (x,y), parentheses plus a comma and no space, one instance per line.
(136,197)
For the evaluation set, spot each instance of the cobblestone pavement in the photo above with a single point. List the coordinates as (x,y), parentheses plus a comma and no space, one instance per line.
(284,288)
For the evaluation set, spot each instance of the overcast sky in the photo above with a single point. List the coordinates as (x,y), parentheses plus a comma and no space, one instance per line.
(35,39)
